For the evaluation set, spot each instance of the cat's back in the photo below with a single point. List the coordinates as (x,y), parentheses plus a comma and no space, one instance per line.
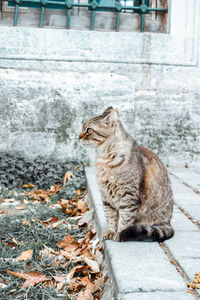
(153,166)
(156,188)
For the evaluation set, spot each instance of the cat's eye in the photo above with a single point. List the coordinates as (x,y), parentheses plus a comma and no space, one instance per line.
(89,130)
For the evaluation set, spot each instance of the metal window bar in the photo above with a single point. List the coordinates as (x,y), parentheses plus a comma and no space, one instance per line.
(140,7)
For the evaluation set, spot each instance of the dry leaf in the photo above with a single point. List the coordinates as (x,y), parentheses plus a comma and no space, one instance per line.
(54,256)
(82,206)
(75,218)
(50,221)
(74,284)
(72,247)
(58,260)
(91,286)
(50,284)
(56,224)
(68,255)
(45,252)
(32,278)
(86,252)
(64,202)
(99,257)
(59,286)
(92,264)
(2,212)
(71,273)
(40,195)
(68,176)
(55,188)
(86,218)
(68,206)
(28,185)
(75,207)
(66,241)
(95,285)
(49,252)
(88,237)
(25,255)
(85,295)
(60,281)
(81,193)
(60,278)
(85,281)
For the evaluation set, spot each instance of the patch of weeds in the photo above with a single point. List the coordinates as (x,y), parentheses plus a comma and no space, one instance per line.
(16,170)
(49,230)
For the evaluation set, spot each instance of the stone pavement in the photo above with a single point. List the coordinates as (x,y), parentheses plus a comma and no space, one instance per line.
(157,271)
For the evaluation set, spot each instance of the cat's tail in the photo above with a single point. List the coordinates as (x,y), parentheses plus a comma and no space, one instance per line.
(139,232)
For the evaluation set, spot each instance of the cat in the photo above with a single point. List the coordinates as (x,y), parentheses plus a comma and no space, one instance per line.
(134,183)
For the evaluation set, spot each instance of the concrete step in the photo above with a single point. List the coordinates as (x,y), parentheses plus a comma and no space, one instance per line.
(141,270)
(191,176)
(185,196)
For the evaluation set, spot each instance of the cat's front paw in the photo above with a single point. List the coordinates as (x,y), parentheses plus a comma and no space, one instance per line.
(111,235)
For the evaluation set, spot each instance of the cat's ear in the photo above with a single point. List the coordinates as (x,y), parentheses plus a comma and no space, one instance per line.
(111,118)
(107,111)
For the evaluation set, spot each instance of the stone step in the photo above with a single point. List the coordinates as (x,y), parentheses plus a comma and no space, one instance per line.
(190,176)
(141,270)
(185,197)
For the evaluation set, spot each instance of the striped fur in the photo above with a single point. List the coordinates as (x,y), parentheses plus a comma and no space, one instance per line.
(138,232)
(134,184)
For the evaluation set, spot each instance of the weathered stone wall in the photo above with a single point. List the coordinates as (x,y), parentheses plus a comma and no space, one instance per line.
(52,80)
(42,113)
(169,123)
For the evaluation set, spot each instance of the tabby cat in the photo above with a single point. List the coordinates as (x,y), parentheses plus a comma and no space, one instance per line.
(134,184)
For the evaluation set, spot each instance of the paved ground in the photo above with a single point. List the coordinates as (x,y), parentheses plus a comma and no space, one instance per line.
(141,271)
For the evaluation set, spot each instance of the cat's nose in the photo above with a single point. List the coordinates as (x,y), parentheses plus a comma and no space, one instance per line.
(80,136)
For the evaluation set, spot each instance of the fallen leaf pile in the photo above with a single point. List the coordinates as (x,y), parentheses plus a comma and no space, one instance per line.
(195,284)
(42,195)
(72,265)
(85,277)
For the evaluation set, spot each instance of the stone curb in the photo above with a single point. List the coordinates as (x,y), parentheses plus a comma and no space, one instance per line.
(95,202)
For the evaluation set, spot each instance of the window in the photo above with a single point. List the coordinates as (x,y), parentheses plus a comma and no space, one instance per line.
(119,15)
